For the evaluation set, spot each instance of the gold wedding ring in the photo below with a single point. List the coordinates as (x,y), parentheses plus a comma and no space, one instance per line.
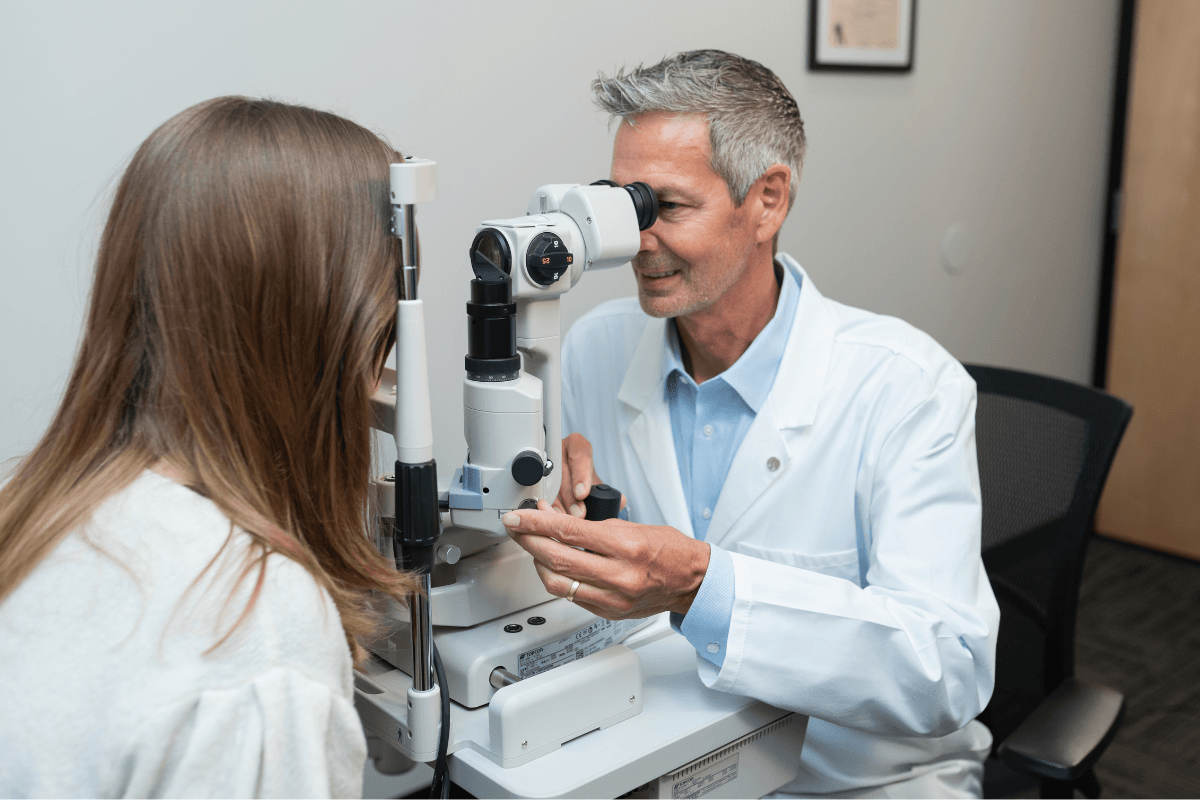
(571,593)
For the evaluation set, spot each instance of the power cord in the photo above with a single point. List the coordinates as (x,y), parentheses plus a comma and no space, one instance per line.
(440,788)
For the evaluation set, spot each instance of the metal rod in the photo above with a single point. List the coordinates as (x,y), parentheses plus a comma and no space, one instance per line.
(410,283)
(422,636)
(501,677)
(410,255)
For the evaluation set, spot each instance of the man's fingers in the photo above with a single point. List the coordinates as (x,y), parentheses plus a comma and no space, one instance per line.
(579,475)
(555,540)
(563,527)
(566,494)
(566,560)
(579,456)
(588,596)
(566,491)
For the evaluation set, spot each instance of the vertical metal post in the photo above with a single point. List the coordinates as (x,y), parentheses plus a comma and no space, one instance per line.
(422,636)
(410,257)
(417,527)
(422,618)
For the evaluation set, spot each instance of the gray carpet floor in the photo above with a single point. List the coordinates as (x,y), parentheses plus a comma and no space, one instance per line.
(1138,631)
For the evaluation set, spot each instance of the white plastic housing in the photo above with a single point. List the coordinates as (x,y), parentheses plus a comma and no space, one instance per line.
(543,359)
(520,231)
(500,421)
(606,216)
(535,716)
(413,428)
(493,583)
(424,724)
(414,181)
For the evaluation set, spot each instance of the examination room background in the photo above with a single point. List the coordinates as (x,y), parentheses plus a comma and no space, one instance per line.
(966,196)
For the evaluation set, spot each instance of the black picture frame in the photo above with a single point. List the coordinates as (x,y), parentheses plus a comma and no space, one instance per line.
(899,61)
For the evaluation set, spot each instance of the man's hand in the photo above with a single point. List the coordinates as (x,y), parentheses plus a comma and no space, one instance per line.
(578,476)
(633,571)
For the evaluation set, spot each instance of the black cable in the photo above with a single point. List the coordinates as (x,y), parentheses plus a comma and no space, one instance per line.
(440,788)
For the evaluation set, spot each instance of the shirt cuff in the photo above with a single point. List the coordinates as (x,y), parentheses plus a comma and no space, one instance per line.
(706,624)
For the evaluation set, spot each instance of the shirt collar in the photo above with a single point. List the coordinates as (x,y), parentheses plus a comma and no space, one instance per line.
(762,357)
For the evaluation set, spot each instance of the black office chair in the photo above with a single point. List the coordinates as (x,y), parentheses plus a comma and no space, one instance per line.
(1045,447)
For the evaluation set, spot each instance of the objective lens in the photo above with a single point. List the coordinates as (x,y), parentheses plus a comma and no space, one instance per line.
(491,314)
(489,251)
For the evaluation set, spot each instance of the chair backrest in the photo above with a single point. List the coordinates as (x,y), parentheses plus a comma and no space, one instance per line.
(1045,448)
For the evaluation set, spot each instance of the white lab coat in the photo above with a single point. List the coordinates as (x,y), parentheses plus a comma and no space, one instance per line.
(852,513)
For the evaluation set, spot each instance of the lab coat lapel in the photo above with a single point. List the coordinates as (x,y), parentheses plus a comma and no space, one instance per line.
(650,435)
(751,472)
(764,455)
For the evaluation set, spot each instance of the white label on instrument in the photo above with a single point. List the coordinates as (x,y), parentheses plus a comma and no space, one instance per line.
(587,640)
(707,780)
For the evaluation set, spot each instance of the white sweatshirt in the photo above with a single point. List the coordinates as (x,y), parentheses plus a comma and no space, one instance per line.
(105,686)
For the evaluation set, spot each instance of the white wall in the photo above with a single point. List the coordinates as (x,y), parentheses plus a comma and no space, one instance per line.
(1002,129)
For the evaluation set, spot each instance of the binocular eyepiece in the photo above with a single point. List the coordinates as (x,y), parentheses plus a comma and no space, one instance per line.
(577,228)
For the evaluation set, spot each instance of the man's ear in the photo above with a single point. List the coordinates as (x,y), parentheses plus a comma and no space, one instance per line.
(771,191)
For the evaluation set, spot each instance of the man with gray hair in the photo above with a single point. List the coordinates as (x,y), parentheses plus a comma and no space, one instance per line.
(800,475)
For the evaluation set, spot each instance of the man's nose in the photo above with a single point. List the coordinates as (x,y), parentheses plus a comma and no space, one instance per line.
(649,240)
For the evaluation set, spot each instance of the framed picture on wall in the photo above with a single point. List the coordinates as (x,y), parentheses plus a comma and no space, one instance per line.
(861,35)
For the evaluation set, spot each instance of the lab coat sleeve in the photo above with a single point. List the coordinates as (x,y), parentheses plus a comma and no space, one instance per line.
(912,651)
(280,735)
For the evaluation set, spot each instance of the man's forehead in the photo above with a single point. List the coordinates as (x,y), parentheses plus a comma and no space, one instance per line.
(671,153)
(661,131)
(675,121)
(662,143)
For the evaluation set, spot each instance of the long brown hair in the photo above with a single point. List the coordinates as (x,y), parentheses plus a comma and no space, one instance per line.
(242,307)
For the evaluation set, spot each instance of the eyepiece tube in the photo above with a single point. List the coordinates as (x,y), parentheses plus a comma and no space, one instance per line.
(645,203)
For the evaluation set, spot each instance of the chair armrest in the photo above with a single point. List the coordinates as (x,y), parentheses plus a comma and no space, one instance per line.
(1066,734)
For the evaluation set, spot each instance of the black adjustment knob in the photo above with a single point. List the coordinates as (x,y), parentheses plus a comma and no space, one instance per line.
(527,467)
(547,258)
(604,502)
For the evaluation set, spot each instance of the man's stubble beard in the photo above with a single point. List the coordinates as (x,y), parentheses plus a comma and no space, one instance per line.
(677,303)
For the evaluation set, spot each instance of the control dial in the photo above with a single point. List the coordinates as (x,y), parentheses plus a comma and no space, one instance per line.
(547,258)
(528,468)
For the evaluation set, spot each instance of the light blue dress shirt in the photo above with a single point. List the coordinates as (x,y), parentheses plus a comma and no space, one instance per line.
(708,423)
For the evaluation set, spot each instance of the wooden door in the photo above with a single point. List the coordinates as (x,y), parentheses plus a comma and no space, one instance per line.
(1153,493)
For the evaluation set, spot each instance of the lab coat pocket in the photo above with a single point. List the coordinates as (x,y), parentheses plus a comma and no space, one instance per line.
(842,564)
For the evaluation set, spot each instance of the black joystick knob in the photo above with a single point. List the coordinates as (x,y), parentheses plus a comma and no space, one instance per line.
(604,502)
(528,468)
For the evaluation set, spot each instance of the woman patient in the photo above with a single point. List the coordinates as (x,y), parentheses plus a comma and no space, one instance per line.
(184,560)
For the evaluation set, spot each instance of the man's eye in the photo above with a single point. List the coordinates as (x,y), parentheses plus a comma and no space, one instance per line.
(667,205)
